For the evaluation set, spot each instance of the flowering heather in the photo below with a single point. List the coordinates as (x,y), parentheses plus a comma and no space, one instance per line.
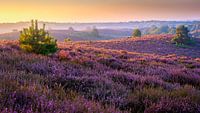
(104,77)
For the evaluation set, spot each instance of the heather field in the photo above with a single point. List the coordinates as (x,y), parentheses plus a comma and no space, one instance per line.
(147,74)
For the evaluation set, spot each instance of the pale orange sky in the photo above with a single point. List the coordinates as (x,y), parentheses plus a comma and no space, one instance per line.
(98,10)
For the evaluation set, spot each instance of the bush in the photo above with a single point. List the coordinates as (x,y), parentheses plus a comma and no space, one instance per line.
(67,40)
(137,33)
(37,40)
(182,37)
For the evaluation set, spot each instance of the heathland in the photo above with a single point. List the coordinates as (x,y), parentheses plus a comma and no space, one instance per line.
(147,74)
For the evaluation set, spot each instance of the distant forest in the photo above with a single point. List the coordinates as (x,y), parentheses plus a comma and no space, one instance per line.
(101,31)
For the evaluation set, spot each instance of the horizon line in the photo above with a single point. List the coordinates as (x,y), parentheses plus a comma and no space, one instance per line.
(63,22)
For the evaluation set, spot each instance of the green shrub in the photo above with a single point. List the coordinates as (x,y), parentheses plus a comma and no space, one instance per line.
(67,40)
(37,40)
(137,33)
(182,37)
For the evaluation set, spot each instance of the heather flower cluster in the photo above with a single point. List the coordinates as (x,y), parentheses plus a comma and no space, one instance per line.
(84,77)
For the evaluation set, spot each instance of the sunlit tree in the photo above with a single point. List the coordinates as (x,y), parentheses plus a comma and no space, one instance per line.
(137,33)
(37,40)
(182,36)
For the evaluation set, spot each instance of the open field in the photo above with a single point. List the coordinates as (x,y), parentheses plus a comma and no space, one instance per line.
(147,74)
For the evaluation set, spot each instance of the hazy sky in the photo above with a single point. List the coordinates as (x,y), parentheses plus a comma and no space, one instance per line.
(98,10)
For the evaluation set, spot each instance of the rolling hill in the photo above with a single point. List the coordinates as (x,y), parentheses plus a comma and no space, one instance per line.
(147,74)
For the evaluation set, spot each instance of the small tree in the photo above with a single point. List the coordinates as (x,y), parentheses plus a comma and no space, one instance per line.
(37,40)
(95,32)
(182,36)
(137,33)
(71,29)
